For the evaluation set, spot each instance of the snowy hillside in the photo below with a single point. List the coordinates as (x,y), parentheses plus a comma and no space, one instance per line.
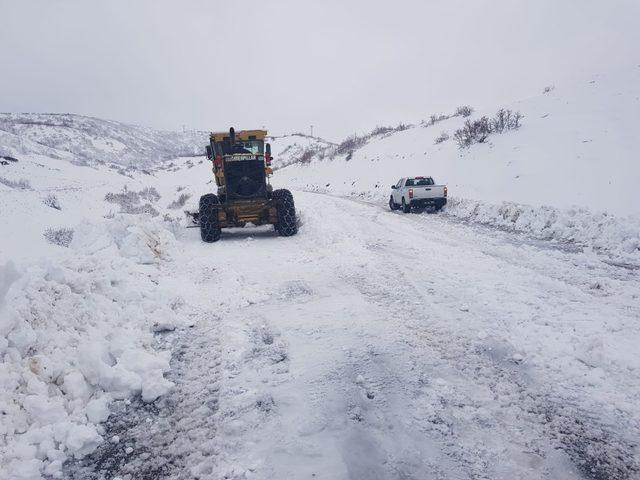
(87,140)
(569,172)
(297,147)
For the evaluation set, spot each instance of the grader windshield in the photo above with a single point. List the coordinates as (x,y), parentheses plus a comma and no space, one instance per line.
(253,147)
(245,142)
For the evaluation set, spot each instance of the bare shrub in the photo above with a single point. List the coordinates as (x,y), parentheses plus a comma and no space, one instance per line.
(22,184)
(354,142)
(350,144)
(433,119)
(463,111)
(130,202)
(180,201)
(146,209)
(381,131)
(473,131)
(506,120)
(378,131)
(52,201)
(443,137)
(124,199)
(477,131)
(59,236)
(150,194)
(307,155)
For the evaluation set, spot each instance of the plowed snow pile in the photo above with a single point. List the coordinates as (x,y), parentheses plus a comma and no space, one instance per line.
(76,333)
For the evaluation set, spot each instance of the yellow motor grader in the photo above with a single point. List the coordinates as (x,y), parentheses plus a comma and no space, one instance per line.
(242,167)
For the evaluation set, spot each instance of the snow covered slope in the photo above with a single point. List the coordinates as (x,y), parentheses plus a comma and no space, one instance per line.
(92,140)
(297,147)
(570,171)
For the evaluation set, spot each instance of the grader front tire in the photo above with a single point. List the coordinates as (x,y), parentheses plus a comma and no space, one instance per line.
(208,216)
(287,223)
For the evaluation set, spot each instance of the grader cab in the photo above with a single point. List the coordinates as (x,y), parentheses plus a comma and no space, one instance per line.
(241,168)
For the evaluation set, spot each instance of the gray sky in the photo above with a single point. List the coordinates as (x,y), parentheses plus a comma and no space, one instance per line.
(343,66)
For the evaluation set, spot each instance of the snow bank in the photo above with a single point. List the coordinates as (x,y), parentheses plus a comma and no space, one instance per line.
(74,335)
(606,233)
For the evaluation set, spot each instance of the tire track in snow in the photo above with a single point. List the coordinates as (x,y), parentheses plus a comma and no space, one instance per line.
(166,438)
(595,444)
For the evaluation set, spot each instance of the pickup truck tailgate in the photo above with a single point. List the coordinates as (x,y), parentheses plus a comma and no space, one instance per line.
(428,191)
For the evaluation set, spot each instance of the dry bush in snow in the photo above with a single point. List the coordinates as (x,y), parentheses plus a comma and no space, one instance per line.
(505,120)
(59,236)
(473,131)
(477,131)
(350,144)
(381,131)
(180,201)
(130,201)
(433,119)
(52,201)
(463,111)
(443,137)
(307,155)
(22,184)
(149,194)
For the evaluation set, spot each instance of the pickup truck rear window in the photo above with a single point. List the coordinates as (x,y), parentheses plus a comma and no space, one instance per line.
(419,182)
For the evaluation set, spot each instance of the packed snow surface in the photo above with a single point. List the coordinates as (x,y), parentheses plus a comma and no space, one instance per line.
(377,345)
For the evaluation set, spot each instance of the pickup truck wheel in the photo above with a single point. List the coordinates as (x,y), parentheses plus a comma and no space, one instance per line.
(208,218)
(393,205)
(405,208)
(439,204)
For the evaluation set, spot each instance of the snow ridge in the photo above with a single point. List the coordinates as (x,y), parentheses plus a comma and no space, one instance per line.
(90,141)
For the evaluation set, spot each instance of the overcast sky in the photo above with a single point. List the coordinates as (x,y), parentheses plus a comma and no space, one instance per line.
(343,66)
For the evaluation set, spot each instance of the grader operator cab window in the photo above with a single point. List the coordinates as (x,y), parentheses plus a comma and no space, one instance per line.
(254,147)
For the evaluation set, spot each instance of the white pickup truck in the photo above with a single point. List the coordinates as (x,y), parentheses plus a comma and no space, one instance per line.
(417,192)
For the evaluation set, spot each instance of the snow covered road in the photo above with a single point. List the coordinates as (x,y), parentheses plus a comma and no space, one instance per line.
(377,345)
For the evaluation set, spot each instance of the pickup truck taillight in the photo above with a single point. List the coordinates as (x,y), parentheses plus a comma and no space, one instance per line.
(445,190)
(411,193)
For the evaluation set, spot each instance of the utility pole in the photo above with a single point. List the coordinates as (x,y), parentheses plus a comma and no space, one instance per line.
(312,130)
